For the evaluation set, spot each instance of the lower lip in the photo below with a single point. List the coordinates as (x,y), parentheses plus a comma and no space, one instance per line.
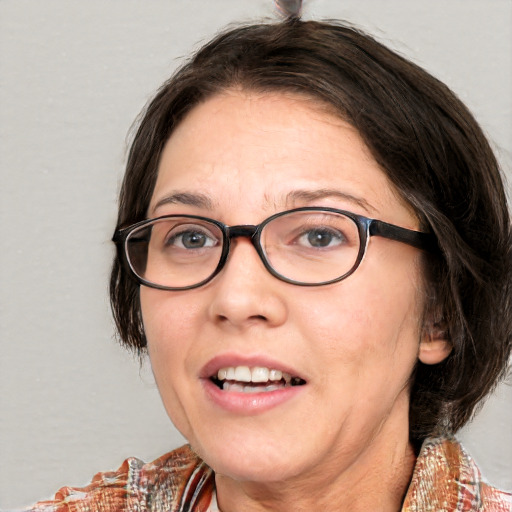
(249,403)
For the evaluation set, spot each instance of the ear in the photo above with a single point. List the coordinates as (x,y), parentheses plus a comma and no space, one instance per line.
(435,345)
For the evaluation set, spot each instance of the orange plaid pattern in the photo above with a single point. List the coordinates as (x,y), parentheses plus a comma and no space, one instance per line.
(445,479)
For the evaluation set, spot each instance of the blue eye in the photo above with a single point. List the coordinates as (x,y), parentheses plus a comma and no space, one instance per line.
(191,239)
(320,238)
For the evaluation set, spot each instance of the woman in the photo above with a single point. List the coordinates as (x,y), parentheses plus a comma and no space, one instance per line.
(315,359)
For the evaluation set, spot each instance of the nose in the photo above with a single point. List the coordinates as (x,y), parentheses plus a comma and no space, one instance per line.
(245,293)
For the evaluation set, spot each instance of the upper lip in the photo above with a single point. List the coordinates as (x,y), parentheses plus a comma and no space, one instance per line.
(211,368)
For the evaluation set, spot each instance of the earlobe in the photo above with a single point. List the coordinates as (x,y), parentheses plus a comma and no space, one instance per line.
(435,346)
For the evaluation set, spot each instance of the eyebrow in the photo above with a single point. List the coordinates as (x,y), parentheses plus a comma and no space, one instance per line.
(297,196)
(291,199)
(198,200)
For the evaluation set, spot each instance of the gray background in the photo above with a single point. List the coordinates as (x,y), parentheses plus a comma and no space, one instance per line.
(74,75)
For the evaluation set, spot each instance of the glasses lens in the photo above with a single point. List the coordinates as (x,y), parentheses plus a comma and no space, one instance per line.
(311,247)
(175,252)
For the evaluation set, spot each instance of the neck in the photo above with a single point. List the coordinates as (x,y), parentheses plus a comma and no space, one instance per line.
(376,479)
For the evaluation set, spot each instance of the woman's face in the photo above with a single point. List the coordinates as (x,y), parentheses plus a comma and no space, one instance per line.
(239,158)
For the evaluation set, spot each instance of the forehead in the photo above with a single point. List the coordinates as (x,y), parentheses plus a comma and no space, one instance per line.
(254,150)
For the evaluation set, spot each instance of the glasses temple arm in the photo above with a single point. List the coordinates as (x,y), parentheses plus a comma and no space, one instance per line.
(418,239)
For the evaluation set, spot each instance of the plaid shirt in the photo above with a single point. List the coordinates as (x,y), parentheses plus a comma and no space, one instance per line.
(445,479)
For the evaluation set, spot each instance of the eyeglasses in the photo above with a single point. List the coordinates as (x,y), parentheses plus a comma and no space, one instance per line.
(310,246)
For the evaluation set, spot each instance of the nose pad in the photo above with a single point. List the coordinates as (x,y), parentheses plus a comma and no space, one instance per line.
(245,292)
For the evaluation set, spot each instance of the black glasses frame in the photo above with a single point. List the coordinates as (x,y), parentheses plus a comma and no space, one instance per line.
(367,228)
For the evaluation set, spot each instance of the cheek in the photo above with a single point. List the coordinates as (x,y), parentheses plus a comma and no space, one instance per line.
(168,317)
(366,322)
(169,330)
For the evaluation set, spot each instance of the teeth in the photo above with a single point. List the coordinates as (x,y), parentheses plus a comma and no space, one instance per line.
(258,379)
(260,374)
(229,386)
(275,375)
(252,389)
(235,387)
(243,374)
(257,374)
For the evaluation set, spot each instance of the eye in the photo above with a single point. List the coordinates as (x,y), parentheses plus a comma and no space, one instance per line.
(321,237)
(191,238)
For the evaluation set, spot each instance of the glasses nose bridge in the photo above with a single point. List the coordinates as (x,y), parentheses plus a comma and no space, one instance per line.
(244,231)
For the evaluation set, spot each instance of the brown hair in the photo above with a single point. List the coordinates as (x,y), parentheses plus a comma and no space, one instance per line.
(425,140)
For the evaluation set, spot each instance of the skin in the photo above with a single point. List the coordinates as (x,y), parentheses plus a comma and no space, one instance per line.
(340,442)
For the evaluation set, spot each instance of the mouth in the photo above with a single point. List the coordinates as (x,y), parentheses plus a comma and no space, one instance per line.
(256,379)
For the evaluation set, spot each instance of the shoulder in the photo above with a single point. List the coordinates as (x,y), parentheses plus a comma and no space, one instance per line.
(447,478)
(177,479)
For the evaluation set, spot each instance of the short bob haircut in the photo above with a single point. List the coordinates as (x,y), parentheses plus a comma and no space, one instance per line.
(426,142)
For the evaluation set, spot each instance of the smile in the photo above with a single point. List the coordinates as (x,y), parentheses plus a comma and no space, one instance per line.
(257,379)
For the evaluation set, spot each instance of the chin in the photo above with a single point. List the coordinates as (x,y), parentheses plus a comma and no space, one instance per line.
(256,463)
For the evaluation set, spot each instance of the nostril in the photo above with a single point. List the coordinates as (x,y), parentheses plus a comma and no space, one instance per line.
(258,318)
(241,296)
